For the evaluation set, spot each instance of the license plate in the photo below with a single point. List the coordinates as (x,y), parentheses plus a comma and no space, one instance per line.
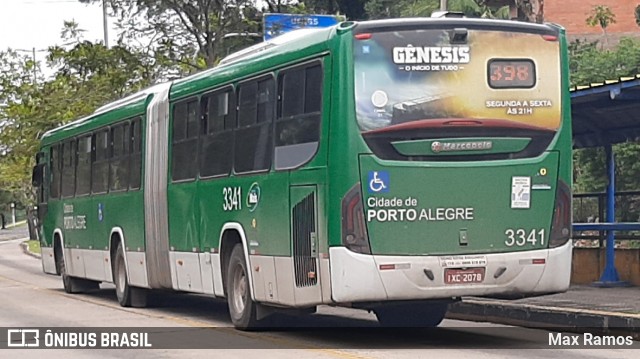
(463,276)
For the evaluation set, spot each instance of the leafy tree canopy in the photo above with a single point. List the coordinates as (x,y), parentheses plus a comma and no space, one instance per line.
(87,76)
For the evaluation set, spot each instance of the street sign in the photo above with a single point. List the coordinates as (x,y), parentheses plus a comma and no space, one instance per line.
(278,24)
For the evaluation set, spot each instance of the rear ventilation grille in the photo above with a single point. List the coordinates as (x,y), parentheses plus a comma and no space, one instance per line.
(304,242)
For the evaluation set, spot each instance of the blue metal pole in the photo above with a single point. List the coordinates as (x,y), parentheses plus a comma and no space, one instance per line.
(610,274)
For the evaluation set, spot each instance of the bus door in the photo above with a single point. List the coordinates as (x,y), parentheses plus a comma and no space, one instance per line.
(39,181)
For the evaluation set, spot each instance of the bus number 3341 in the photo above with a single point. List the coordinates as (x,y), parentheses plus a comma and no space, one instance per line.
(519,237)
(232,197)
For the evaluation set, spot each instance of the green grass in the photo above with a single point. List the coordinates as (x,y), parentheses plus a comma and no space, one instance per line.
(34,246)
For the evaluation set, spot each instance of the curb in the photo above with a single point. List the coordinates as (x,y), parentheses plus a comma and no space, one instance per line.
(25,249)
(534,316)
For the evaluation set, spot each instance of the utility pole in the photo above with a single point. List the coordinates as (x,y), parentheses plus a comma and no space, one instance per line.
(13,213)
(35,69)
(443,5)
(105,24)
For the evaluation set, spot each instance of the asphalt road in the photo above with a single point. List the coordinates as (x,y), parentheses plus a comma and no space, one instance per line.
(18,232)
(30,298)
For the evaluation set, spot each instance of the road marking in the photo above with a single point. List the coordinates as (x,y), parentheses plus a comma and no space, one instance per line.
(287,342)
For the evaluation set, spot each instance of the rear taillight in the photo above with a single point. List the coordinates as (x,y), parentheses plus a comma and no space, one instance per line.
(561,225)
(354,230)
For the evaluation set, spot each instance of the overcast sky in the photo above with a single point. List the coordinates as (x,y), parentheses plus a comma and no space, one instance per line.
(25,24)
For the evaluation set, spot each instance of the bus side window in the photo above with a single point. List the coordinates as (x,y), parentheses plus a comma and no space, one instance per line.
(83,172)
(185,140)
(68,168)
(252,148)
(135,148)
(298,125)
(100,166)
(54,164)
(216,144)
(119,165)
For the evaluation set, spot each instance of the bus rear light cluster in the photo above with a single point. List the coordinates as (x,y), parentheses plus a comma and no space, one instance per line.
(363,36)
(561,225)
(354,229)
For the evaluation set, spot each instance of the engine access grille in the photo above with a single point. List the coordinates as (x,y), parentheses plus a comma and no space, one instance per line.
(304,229)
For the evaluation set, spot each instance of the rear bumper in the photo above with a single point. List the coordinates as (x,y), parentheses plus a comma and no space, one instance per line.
(358,278)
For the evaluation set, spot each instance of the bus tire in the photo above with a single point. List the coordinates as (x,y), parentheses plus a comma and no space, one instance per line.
(425,315)
(128,296)
(73,284)
(242,309)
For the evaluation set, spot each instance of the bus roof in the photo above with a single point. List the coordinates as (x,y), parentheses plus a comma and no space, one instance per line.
(261,57)
(500,25)
(130,106)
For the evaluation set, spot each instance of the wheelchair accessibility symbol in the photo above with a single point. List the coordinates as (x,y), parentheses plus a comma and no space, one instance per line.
(378,181)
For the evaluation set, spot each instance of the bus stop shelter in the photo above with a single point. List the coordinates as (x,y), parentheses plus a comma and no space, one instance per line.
(605,114)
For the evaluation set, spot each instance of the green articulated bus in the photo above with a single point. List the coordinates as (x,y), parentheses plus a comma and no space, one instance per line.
(391,165)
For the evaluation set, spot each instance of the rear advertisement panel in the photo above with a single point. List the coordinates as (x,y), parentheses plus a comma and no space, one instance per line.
(405,76)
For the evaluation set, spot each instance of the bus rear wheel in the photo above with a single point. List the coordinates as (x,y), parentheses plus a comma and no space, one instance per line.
(128,296)
(426,315)
(242,309)
(72,284)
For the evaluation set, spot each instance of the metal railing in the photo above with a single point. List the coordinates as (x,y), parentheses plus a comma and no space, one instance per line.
(589,213)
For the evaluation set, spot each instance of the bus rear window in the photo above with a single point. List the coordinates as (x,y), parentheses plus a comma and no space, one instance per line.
(427,74)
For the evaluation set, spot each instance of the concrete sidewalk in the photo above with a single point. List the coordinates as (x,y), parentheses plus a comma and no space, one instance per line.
(580,309)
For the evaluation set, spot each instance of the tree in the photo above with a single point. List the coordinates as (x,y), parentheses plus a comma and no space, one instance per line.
(601,15)
(87,76)
(352,9)
(589,64)
(411,8)
(530,10)
(187,36)
(479,8)
(18,99)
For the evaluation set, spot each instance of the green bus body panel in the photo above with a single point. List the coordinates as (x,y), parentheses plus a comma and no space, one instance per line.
(124,210)
(428,206)
(197,213)
(564,141)
(344,133)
